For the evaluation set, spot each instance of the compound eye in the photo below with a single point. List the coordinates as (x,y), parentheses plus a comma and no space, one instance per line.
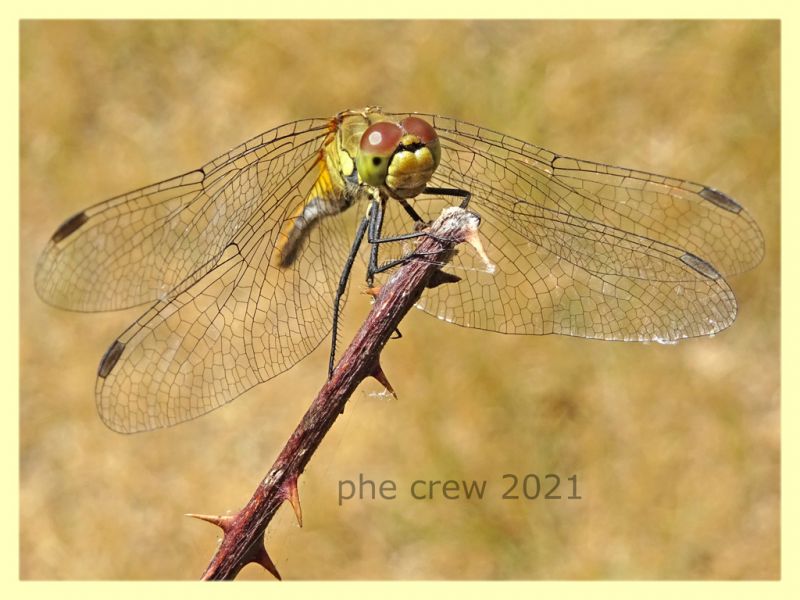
(420,128)
(378,143)
(381,138)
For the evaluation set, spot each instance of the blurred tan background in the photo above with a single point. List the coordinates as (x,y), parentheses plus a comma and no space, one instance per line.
(676,448)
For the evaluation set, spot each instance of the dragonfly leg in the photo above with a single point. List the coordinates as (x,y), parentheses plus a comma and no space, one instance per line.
(376,223)
(373,233)
(397,238)
(374,268)
(374,238)
(419,223)
(463,194)
(362,227)
(399,261)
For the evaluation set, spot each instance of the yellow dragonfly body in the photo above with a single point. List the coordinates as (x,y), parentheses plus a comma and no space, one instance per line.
(243,259)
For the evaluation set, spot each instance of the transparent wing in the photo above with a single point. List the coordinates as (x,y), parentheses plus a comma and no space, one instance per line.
(137,247)
(586,249)
(242,322)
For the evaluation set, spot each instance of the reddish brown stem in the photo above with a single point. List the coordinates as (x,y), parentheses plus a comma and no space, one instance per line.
(243,540)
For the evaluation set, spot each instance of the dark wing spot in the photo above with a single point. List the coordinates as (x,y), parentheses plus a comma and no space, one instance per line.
(720,199)
(110,359)
(69,226)
(699,265)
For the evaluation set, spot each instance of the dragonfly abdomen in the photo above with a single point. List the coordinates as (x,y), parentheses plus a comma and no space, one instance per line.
(303,224)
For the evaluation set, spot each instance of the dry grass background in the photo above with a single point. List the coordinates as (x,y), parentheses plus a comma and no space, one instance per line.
(676,448)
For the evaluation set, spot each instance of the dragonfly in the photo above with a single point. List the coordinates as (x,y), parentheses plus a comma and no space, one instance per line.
(245,261)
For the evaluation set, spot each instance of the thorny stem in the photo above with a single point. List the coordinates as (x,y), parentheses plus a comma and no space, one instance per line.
(243,540)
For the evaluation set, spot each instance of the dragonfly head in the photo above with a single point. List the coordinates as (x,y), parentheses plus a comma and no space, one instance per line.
(399,157)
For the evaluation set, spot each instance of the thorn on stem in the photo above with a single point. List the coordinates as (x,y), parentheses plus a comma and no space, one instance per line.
(221,521)
(380,376)
(261,557)
(291,494)
(440,277)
